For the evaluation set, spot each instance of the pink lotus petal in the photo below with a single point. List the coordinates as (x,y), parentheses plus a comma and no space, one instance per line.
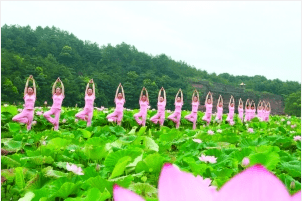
(211,159)
(288,122)
(245,162)
(250,130)
(122,194)
(219,131)
(254,183)
(39,113)
(79,171)
(296,138)
(296,196)
(64,121)
(210,132)
(175,185)
(203,158)
(197,140)
(68,167)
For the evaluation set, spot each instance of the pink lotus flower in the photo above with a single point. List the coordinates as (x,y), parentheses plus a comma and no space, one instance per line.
(64,121)
(197,140)
(282,119)
(250,130)
(288,122)
(39,113)
(219,131)
(110,120)
(153,109)
(210,132)
(20,110)
(148,107)
(34,123)
(293,126)
(73,168)
(105,112)
(76,120)
(169,111)
(296,138)
(43,142)
(45,102)
(173,185)
(245,162)
(232,123)
(5,105)
(253,184)
(210,159)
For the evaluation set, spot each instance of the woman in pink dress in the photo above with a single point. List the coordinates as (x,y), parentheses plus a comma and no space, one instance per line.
(230,117)
(209,106)
(27,114)
(57,97)
(267,112)
(240,109)
(253,110)
(219,109)
(259,110)
(247,110)
(87,113)
(175,117)
(144,103)
(195,103)
(161,106)
(119,100)
(263,110)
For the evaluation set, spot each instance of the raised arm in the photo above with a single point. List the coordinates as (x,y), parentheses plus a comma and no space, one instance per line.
(147,95)
(159,93)
(87,86)
(193,95)
(218,101)
(230,100)
(34,85)
(26,86)
(165,95)
(53,86)
(206,98)
(211,98)
(123,93)
(117,91)
(93,86)
(269,106)
(140,97)
(246,103)
(63,90)
(182,97)
(177,95)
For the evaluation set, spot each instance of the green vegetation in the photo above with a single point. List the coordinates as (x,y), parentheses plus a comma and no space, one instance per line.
(132,156)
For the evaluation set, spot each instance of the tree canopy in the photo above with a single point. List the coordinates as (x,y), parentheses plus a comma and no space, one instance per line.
(48,53)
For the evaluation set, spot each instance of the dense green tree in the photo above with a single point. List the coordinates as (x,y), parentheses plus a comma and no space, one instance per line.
(48,53)
(293,104)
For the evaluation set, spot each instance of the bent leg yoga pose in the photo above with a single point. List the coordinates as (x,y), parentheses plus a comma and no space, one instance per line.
(27,114)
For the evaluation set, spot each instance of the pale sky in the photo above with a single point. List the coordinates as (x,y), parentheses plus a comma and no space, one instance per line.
(240,38)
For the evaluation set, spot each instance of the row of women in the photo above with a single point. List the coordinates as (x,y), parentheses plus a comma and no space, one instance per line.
(27,114)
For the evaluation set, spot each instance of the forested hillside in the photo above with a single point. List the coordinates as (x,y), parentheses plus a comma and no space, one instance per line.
(48,53)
